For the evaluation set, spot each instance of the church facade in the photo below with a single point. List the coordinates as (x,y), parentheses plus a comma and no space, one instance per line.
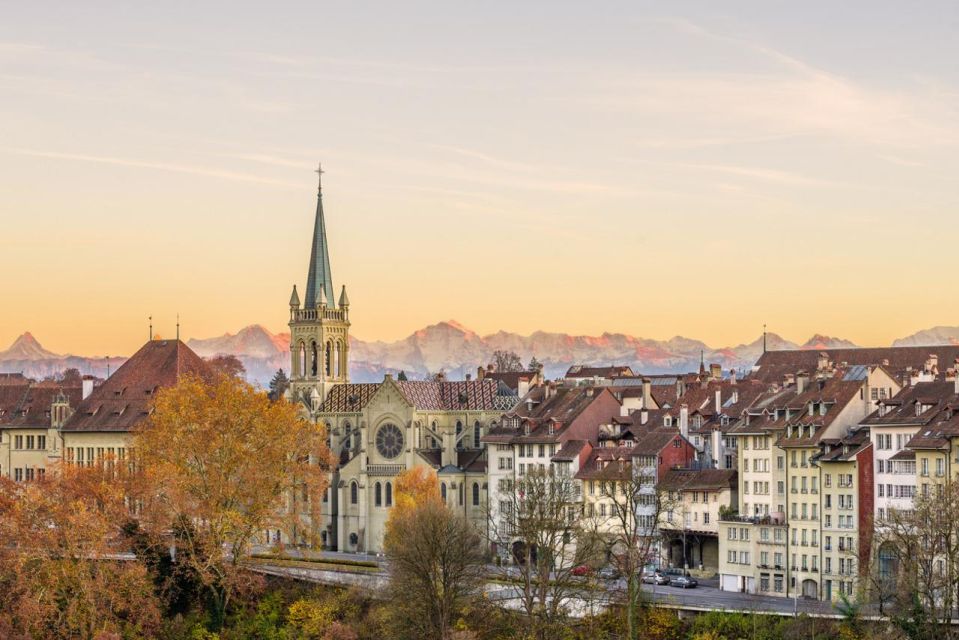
(378,430)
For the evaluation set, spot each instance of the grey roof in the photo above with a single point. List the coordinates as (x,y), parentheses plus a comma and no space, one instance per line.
(857,372)
(320,277)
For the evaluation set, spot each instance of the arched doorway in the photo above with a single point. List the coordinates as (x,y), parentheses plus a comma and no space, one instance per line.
(810,589)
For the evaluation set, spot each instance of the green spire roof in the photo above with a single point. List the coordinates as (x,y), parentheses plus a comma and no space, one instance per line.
(319,277)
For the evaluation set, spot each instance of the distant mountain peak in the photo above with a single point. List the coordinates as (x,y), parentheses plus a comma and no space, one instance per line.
(819,341)
(27,347)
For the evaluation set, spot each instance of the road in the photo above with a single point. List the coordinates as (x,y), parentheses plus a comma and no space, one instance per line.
(704,597)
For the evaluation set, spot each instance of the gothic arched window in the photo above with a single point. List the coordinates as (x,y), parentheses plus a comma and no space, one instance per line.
(443,491)
(477,432)
(354,493)
(301,365)
(459,430)
(378,495)
(336,359)
(313,360)
(389,494)
(476,494)
(329,359)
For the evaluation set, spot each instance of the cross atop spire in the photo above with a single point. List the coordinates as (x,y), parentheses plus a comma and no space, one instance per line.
(319,276)
(319,172)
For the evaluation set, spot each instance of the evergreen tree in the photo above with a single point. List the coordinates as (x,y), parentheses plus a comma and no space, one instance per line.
(279,384)
(534,364)
(402,376)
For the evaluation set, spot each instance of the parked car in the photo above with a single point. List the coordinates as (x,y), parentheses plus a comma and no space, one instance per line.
(683,582)
(609,572)
(655,577)
(582,570)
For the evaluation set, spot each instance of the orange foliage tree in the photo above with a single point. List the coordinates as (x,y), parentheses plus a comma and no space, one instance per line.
(219,463)
(62,572)
(412,487)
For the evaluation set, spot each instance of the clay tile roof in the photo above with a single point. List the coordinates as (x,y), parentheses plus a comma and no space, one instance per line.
(699,479)
(773,365)
(613,371)
(901,409)
(424,395)
(569,450)
(125,398)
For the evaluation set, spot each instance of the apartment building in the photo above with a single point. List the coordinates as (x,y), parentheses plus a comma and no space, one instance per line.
(695,500)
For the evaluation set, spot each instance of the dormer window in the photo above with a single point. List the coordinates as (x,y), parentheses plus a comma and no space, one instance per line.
(526,429)
(551,428)
(667,421)
(789,431)
(812,408)
(822,409)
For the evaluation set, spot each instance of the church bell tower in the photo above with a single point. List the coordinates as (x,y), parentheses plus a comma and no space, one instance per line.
(320,328)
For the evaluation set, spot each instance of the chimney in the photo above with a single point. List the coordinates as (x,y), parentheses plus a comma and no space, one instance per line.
(648,393)
(719,400)
(717,447)
(643,416)
(822,362)
(802,379)
(469,376)
(86,387)
(956,378)
(732,376)
(480,373)
(684,420)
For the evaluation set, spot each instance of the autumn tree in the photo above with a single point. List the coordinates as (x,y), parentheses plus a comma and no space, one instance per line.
(219,464)
(507,361)
(59,572)
(436,562)
(279,384)
(227,365)
(540,519)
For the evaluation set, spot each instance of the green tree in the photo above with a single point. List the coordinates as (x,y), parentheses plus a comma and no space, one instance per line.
(402,376)
(279,384)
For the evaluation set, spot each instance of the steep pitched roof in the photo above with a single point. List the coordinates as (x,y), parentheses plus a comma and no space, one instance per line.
(33,407)
(125,398)
(901,408)
(612,371)
(424,395)
(320,277)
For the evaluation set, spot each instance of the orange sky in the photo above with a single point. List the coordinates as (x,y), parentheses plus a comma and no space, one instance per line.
(692,173)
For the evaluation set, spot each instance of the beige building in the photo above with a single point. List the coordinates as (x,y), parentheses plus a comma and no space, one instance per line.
(690,525)
(98,431)
(31,414)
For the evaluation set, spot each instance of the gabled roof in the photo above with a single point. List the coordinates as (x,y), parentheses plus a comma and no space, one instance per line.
(33,407)
(125,398)
(901,409)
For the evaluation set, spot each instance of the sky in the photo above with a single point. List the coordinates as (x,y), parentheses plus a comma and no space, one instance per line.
(657,169)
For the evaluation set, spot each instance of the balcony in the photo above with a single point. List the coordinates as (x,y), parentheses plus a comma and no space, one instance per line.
(385,469)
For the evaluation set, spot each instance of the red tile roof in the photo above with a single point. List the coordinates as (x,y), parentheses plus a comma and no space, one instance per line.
(125,398)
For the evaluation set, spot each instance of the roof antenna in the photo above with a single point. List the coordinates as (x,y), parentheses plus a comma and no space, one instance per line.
(178,327)
(764,337)
(151,328)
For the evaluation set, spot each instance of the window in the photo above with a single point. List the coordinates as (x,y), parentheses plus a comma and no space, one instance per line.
(389,494)
(477,433)
(354,493)
(18,474)
(443,491)
(476,494)
(29,442)
(378,495)
(18,442)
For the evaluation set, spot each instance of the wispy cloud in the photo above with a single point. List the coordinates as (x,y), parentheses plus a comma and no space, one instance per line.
(210,172)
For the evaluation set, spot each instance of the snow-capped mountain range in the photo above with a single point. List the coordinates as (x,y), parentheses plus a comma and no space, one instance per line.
(456,349)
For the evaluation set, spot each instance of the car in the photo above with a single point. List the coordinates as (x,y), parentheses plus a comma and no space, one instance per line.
(655,577)
(683,582)
(609,572)
(582,570)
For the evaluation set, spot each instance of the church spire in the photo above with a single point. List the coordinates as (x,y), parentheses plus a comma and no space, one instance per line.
(319,277)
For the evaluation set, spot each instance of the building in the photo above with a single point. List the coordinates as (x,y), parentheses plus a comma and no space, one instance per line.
(596,376)
(99,430)
(695,499)
(320,328)
(378,430)
(553,427)
(775,539)
(31,414)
